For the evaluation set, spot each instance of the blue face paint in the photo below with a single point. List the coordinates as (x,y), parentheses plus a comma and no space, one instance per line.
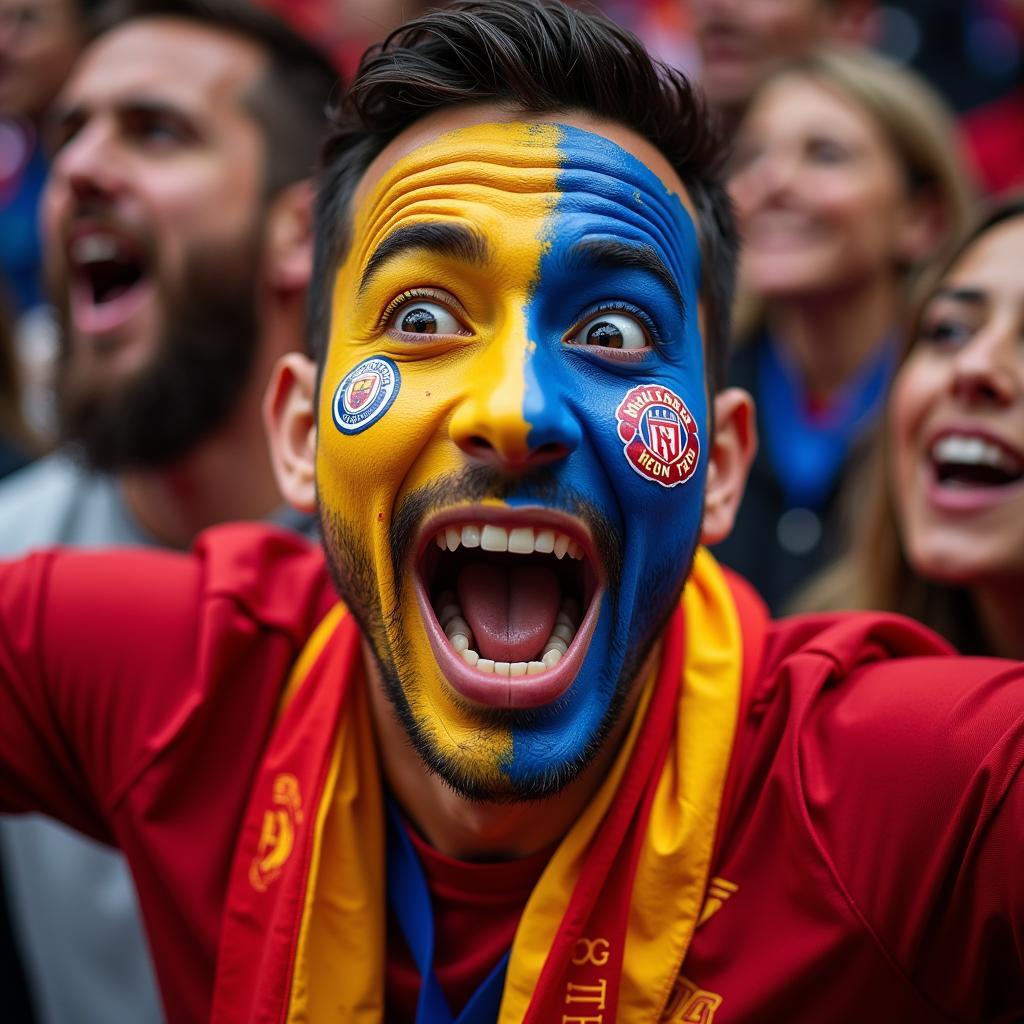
(618,242)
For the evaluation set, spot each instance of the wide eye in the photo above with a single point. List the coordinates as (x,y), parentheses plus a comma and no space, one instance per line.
(419,317)
(611,330)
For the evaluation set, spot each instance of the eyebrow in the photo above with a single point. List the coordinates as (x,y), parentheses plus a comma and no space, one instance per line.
(615,255)
(61,116)
(452,240)
(971,296)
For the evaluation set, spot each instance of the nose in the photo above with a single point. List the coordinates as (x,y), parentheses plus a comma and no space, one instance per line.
(87,164)
(514,417)
(776,170)
(988,369)
(762,182)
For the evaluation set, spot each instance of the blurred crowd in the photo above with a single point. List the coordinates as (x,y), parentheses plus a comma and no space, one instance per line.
(155,205)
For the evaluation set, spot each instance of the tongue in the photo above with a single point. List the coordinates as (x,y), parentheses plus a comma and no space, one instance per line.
(511,610)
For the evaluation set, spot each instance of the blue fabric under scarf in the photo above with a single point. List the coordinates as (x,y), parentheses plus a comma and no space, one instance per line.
(409,897)
(808,449)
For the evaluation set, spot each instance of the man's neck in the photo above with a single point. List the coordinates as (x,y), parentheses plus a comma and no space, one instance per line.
(224,478)
(227,476)
(478,830)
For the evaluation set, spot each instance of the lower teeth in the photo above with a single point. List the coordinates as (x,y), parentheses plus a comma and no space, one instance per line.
(460,636)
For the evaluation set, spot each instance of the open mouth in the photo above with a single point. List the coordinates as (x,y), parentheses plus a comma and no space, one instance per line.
(109,279)
(963,461)
(510,599)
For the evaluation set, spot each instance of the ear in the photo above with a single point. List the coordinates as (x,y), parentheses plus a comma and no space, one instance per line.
(731,455)
(289,416)
(921,227)
(289,238)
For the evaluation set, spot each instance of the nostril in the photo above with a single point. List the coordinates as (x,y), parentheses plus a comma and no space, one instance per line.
(550,451)
(478,443)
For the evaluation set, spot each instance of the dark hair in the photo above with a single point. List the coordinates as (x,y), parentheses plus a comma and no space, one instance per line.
(540,57)
(290,100)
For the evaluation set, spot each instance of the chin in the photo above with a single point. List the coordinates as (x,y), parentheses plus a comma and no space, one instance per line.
(505,754)
(950,563)
(474,750)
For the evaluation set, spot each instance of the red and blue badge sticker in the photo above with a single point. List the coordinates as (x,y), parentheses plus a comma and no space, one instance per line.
(659,435)
(365,394)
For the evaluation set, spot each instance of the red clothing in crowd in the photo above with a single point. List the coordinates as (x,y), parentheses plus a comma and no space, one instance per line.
(869,852)
(994,134)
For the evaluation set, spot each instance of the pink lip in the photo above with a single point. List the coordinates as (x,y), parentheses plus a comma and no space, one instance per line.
(968,499)
(500,691)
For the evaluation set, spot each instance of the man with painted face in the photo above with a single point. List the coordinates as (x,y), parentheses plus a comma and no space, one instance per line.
(545,761)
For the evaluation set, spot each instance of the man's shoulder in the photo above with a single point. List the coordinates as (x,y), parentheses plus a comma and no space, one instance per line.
(252,575)
(877,800)
(277,575)
(884,693)
(850,639)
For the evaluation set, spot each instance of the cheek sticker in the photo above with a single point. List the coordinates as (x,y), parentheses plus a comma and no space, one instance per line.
(659,435)
(365,394)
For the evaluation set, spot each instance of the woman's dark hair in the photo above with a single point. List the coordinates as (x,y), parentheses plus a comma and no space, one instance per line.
(289,102)
(541,58)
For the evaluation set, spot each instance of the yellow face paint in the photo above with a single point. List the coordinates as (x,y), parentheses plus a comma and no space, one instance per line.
(498,180)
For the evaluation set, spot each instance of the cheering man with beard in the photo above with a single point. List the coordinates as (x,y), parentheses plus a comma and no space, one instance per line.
(177,234)
(544,761)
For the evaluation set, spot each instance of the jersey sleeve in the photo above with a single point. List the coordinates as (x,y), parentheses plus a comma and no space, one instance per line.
(913,776)
(97,657)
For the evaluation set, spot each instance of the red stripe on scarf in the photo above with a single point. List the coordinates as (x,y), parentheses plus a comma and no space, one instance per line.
(258,938)
(583,971)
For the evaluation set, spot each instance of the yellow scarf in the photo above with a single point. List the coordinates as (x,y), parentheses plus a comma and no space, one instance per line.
(345,909)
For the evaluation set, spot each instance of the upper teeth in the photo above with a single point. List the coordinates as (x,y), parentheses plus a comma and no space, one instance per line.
(971,450)
(95,248)
(520,540)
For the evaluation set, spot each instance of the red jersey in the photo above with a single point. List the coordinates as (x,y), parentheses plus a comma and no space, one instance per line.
(868,859)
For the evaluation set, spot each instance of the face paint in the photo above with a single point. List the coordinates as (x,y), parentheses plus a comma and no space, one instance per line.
(659,435)
(365,394)
(524,280)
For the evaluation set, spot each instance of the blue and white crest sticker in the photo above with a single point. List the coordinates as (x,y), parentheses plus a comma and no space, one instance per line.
(365,394)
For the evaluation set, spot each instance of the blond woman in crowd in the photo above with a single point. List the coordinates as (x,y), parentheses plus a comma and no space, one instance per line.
(846,179)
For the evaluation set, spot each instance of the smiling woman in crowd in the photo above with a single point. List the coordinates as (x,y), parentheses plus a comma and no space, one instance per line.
(845,179)
(943,537)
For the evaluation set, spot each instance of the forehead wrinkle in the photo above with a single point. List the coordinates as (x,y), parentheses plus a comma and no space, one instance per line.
(436,166)
(661,208)
(627,222)
(443,200)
